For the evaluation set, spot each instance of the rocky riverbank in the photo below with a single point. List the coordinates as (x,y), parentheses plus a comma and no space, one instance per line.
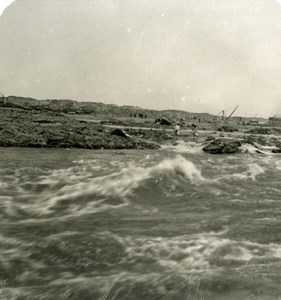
(234,144)
(25,128)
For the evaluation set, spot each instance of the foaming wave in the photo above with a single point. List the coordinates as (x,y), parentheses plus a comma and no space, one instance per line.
(181,166)
(130,285)
(251,172)
(257,148)
(185,147)
(78,190)
(194,254)
(182,254)
(278,164)
(122,183)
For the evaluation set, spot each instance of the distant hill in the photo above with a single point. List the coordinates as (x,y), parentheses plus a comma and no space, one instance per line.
(71,106)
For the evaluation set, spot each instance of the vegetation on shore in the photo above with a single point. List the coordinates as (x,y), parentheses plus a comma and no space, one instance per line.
(23,128)
(28,122)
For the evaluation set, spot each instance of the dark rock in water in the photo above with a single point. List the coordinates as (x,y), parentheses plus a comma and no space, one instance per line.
(220,146)
(119,132)
(252,139)
(259,141)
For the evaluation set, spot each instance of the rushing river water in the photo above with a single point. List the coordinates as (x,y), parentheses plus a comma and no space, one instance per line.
(139,225)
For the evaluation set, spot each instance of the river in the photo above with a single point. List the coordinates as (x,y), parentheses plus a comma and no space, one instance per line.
(171,224)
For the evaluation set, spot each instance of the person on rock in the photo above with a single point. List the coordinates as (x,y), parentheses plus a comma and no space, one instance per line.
(194,131)
(177,130)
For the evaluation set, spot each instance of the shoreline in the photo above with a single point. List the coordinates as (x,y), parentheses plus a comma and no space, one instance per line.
(24,128)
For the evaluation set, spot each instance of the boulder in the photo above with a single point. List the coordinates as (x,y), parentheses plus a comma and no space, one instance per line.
(220,146)
(255,139)
(164,121)
(276,150)
(119,132)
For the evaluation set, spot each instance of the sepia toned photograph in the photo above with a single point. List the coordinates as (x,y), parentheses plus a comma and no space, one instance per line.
(140,149)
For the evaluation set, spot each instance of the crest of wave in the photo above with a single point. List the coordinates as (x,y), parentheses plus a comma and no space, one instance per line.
(278,164)
(122,183)
(196,253)
(253,170)
(257,148)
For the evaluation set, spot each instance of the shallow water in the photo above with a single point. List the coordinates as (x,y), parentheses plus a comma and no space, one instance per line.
(170,224)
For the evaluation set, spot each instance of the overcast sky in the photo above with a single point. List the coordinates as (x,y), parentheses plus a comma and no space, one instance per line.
(194,55)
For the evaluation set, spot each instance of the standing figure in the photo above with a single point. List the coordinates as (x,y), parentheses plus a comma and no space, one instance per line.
(194,131)
(177,130)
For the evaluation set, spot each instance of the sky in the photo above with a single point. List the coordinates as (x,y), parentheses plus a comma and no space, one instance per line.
(192,55)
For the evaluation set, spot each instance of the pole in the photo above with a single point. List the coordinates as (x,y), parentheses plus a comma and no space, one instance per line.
(231,113)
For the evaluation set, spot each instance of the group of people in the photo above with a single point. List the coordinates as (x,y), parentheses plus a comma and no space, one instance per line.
(193,129)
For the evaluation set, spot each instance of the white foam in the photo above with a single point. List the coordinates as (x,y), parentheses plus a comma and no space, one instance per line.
(252,171)
(79,190)
(122,183)
(278,164)
(206,252)
(184,147)
(181,166)
(257,148)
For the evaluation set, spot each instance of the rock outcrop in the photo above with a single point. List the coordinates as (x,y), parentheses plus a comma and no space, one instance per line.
(120,132)
(22,128)
(255,139)
(164,121)
(222,145)
(264,130)
(276,150)
(260,130)
(261,144)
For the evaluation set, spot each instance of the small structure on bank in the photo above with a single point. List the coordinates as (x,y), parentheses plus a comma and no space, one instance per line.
(164,121)
(275,121)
